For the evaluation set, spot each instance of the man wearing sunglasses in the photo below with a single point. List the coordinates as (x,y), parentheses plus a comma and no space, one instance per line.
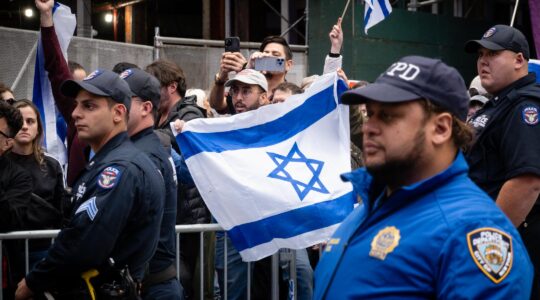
(6,94)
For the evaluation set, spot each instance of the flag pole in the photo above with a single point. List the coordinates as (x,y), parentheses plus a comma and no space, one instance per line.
(514,14)
(345,10)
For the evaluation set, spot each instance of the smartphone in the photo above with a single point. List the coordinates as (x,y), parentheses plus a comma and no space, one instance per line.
(232,44)
(270,63)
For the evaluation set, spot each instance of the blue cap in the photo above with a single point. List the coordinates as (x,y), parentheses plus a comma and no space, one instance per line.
(102,83)
(416,77)
(143,85)
(501,37)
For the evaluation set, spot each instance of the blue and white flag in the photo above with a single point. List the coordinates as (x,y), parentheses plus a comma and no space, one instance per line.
(375,11)
(270,176)
(534,66)
(54,126)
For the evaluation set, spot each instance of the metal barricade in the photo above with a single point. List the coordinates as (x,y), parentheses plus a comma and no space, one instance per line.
(195,228)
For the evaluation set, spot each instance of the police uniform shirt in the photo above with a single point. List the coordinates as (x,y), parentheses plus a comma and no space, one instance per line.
(507,138)
(441,238)
(148,142)
(117,213)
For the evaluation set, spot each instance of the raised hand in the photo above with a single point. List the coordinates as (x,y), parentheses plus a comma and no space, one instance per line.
(45,8)
(336,37)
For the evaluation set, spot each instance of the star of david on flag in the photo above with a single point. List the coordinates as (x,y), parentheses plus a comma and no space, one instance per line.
(271,177)
(295,156)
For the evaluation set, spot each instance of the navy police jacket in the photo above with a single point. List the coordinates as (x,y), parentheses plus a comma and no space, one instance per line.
(148,142)
(441,238)
(117,214)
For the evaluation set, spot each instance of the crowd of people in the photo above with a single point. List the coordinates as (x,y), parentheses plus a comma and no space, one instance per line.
(447,179)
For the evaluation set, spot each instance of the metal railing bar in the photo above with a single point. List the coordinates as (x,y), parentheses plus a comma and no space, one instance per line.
(216,43)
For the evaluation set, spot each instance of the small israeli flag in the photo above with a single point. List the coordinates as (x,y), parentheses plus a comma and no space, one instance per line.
(374,12)
(270,176)
(54,126)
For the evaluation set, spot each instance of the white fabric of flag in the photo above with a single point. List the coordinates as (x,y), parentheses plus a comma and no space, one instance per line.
(54,126)
(270,176)
(375,11)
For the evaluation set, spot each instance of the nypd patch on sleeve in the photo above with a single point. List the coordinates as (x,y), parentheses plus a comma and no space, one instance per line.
(491,250)
(109,177)
(530,115)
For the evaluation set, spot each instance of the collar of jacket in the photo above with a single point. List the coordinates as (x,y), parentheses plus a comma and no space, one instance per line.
(370,191)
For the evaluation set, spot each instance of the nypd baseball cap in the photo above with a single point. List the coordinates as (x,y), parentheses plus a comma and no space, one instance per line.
(102,83)
(412,78)
(501,37)
(143,85)
(249,76)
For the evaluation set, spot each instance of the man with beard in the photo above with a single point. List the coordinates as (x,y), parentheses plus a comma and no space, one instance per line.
(275,46)
(424,230)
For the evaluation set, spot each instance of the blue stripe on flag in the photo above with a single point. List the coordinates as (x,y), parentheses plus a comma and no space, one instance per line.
(312,110)
(37,97)
(292,223)
(367,16)
(384,9)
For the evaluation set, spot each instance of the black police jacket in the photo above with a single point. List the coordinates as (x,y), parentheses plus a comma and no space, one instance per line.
(117,214)
(507,136)
(148,142)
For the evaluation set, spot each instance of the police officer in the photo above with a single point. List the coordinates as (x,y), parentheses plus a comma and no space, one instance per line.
(505,159)
(118,198)
(161,282)
(424,230)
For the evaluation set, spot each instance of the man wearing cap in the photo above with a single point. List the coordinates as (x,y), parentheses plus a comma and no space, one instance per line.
(118,199)
(424,230)
(475,103)
(161,282)
(505,158)
(249,90)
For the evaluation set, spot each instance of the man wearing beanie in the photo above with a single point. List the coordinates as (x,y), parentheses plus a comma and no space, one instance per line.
(505,158)
(118,201)
(424,230)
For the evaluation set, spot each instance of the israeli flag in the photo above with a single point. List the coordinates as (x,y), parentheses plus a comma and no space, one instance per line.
(374,12)
(54,126)
(534,66)
(270,176)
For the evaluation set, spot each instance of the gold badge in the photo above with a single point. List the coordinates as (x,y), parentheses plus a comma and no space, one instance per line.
(384,242)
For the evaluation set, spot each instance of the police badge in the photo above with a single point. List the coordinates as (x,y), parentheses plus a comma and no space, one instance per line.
(491,250)
(384,242)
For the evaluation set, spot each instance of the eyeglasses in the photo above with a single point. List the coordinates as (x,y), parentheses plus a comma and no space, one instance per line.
(5,135)
(246,91)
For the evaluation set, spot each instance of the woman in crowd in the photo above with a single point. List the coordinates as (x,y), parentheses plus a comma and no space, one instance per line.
(45,207)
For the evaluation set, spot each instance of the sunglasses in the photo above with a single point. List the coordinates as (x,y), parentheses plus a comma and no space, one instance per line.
(5,135)
(10,101)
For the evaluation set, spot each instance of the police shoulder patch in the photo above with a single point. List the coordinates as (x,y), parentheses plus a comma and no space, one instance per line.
(491,250)
(530,115)
(109,177)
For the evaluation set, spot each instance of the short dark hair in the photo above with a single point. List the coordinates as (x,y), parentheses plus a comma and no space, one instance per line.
(168,72)
(74,66)
(13,118)
(288,86)
(279,40)
(462,133)
(122,66)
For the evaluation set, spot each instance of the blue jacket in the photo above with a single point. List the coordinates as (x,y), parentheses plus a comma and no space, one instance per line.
(441,238)
(117,214)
